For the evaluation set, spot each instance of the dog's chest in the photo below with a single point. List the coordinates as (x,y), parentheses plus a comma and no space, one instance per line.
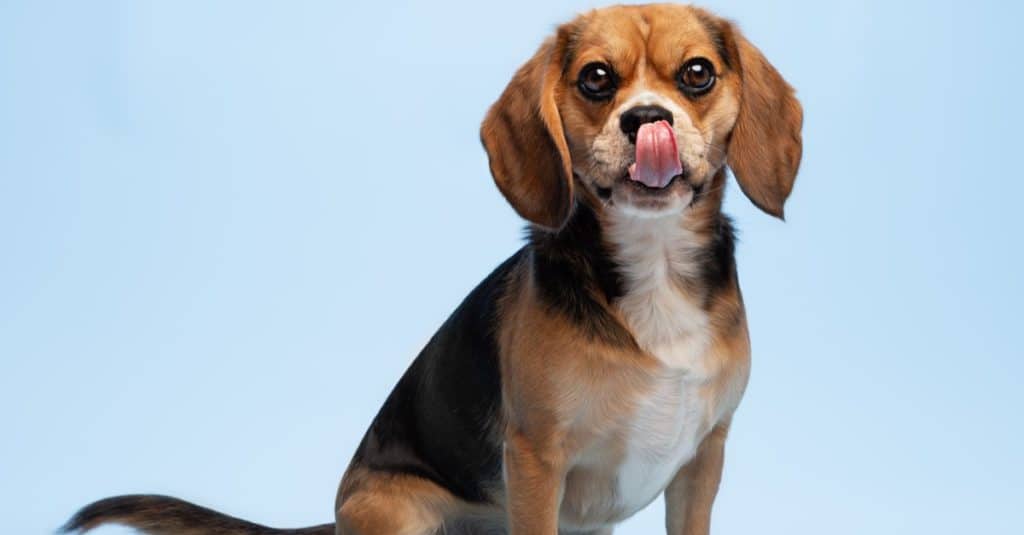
(664,433)
(672,413)
(639,454)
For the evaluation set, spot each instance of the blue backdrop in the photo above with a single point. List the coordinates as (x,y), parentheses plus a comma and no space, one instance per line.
(226,228)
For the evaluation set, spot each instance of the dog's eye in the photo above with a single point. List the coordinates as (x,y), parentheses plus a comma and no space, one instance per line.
(597,81)
(697,76)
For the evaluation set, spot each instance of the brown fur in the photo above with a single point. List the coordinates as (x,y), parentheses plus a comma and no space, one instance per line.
(689,497)
(523,136)
(572,377)
(766,144)
(390,504)
(556,406)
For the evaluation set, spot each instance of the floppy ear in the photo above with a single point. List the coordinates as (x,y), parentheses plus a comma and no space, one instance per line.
(525,144)
(765,146)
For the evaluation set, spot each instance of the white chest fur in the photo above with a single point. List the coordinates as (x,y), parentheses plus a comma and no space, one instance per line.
(654,254)
(678,410)
(664,434)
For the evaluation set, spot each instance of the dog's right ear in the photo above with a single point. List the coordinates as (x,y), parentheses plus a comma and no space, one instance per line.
(525,142)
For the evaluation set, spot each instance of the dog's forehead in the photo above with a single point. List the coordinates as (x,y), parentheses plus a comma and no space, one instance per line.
(658,33)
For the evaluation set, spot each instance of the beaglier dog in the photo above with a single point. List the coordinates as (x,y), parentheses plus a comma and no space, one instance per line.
(600,365)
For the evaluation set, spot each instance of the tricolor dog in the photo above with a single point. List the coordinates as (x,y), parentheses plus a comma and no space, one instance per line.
(599,366)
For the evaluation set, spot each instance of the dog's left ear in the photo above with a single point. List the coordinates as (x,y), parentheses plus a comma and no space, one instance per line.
(523,136)
(765,148)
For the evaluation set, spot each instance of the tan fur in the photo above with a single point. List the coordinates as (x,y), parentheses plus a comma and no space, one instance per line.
(753,120)
(524,139)
(568,398)
(689,497)
(766,145)
(372,503)
(582,412)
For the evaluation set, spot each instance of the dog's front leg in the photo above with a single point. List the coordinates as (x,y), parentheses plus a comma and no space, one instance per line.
(534,475)
(689,497)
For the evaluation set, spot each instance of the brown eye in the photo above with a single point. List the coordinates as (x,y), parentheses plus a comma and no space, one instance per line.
(697,76)
(597,81)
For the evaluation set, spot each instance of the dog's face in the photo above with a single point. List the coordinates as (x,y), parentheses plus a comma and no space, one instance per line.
(647,102)
(641,106)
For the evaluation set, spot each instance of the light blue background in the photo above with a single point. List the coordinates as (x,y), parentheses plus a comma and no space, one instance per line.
(227,227)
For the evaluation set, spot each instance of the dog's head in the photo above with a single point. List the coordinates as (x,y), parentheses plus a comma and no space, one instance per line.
(640,107)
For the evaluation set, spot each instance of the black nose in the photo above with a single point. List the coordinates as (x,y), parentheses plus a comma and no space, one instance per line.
(632,118)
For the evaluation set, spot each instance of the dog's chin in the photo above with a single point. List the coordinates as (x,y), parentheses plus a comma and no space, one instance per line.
(638,200)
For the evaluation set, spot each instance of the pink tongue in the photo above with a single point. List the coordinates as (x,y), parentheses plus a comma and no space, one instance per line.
(657,157)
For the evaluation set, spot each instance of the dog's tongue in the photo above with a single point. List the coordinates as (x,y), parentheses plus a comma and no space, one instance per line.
(657,157)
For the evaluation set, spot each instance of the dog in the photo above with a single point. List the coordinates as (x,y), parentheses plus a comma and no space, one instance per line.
(600,365)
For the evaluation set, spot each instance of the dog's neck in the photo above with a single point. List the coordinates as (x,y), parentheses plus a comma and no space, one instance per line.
(661,261)
(657,272)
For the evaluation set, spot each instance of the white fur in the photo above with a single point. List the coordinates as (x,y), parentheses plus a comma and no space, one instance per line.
(665,432)
(670,422)
(654,253)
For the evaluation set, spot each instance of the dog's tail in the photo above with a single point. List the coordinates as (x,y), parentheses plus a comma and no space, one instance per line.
(163,515)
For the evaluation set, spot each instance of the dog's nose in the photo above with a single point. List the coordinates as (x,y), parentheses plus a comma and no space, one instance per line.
(632,118)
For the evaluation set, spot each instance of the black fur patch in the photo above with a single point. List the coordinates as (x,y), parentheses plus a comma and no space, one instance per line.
(438,421)
(576,276)
(719,265)
(164,514)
